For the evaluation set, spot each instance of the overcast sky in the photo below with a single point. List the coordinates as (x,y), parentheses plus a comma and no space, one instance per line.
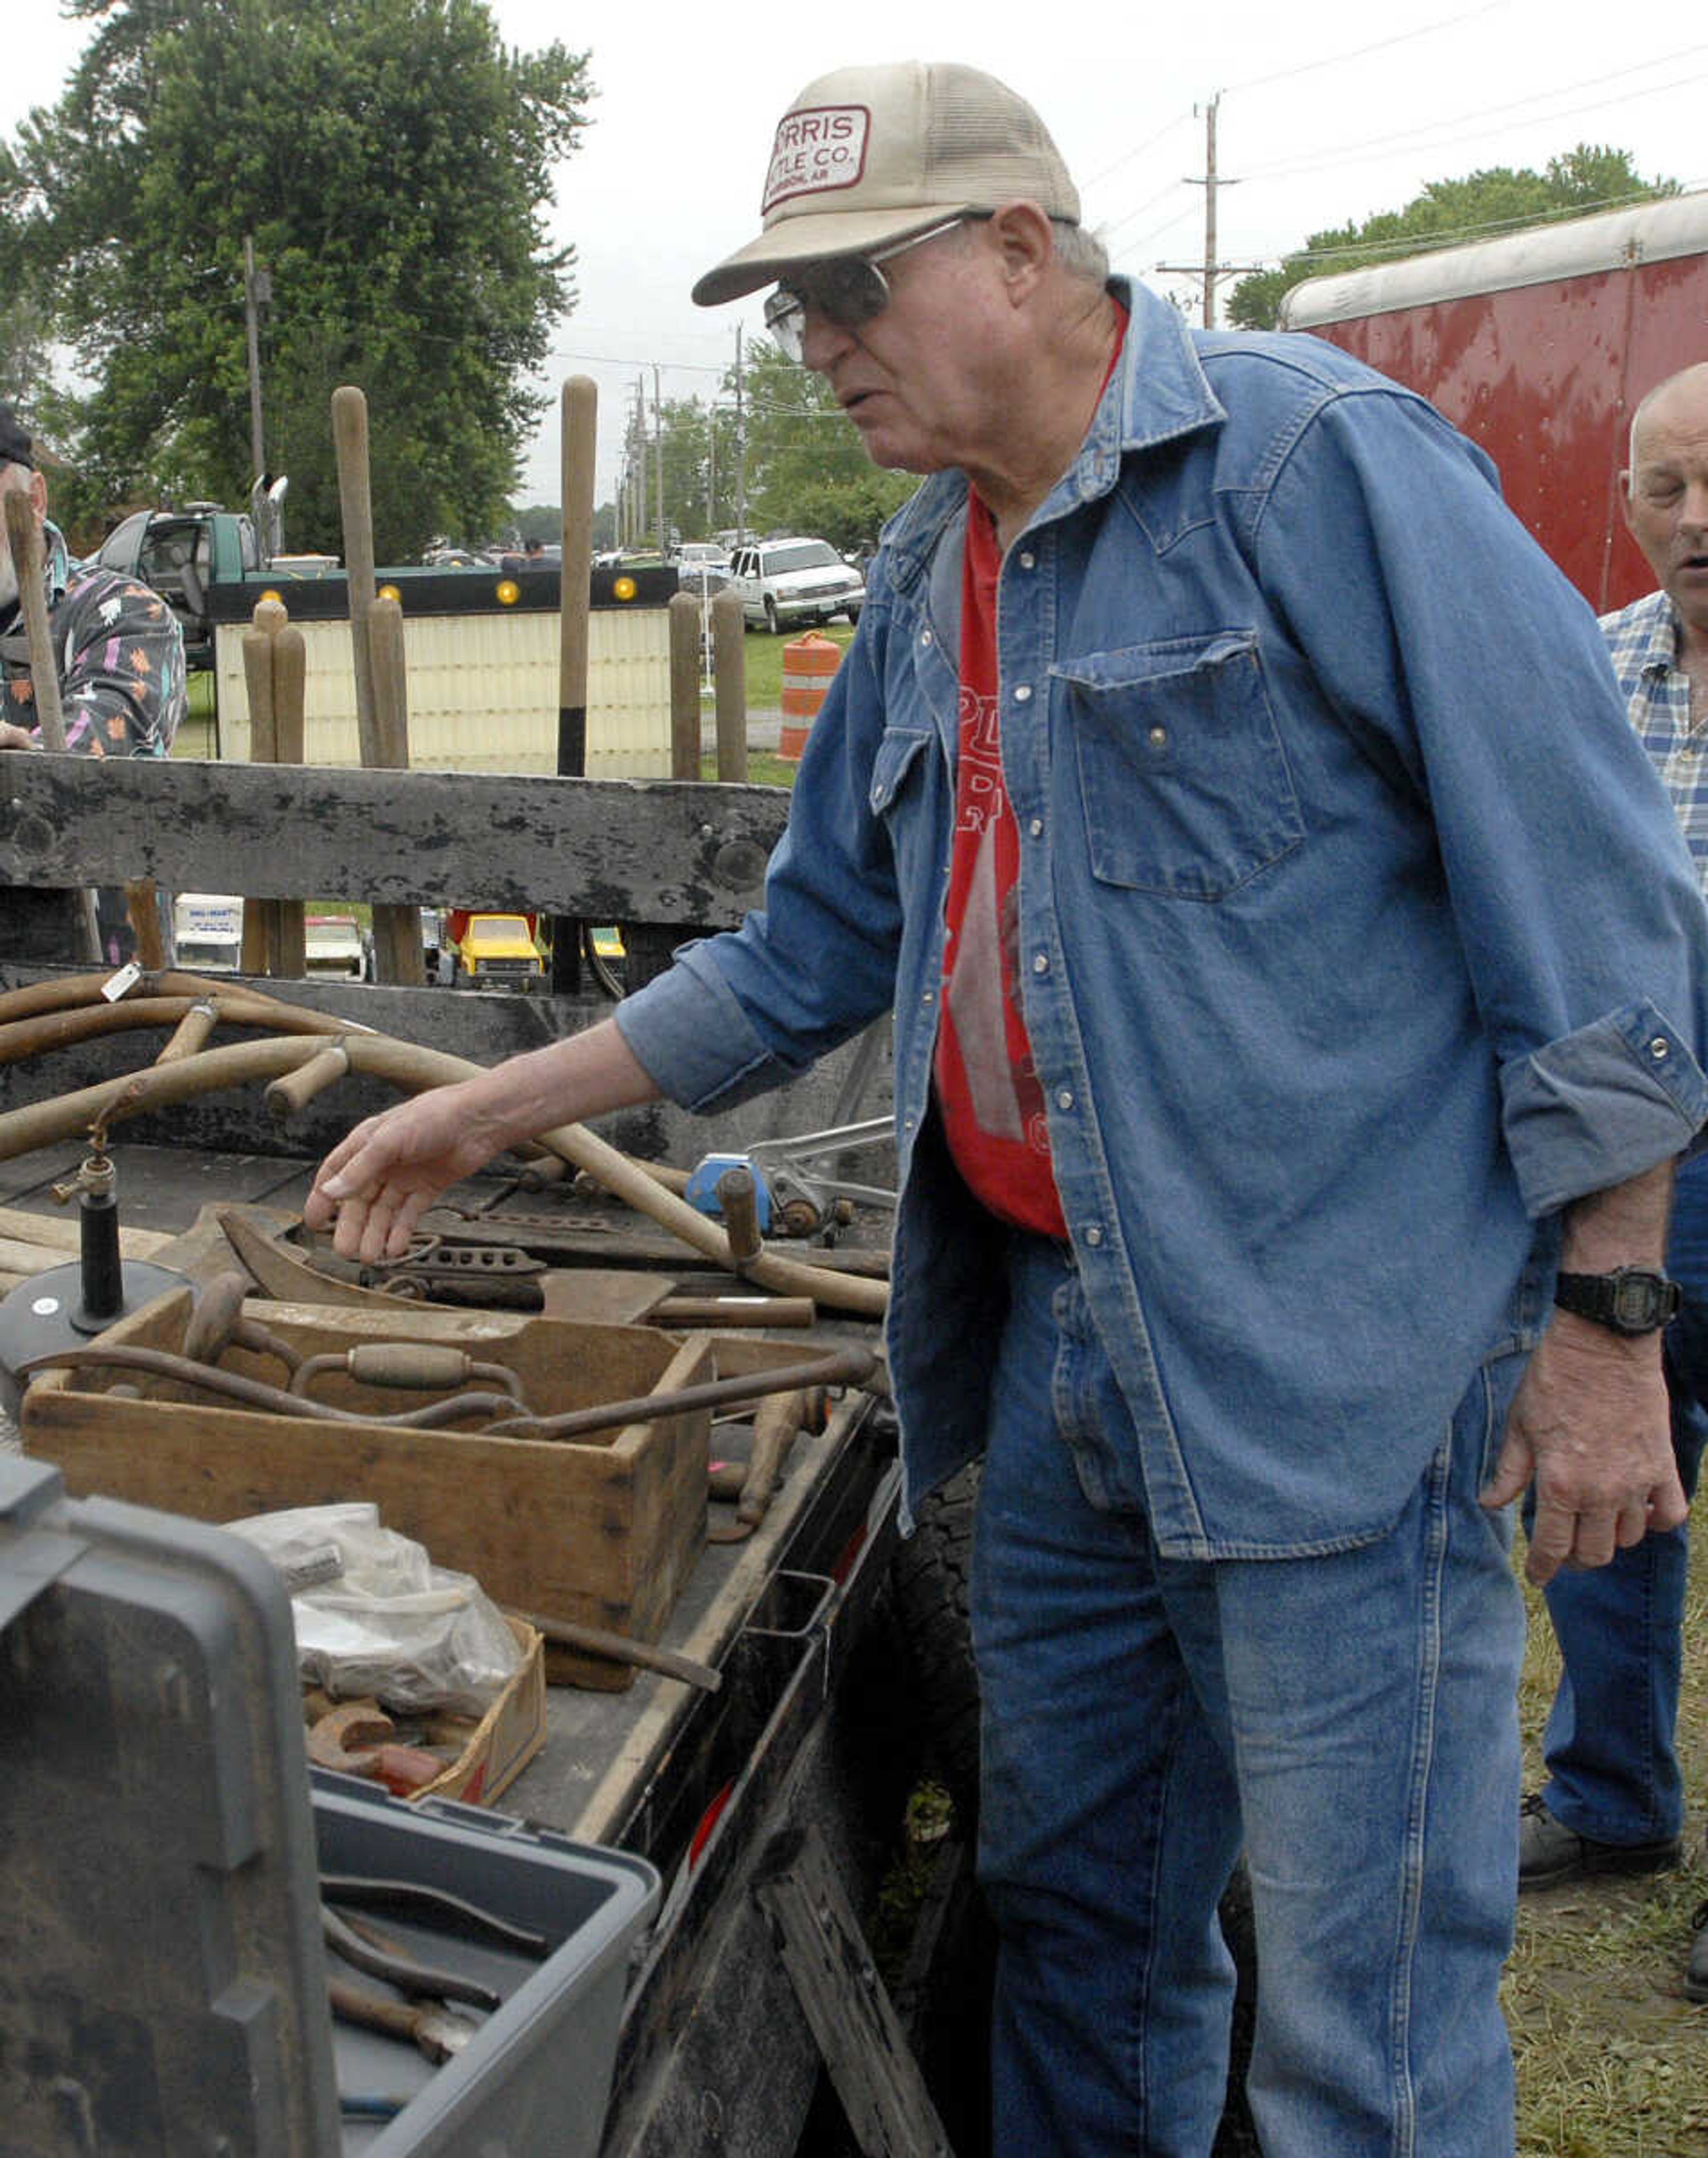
(1329,110)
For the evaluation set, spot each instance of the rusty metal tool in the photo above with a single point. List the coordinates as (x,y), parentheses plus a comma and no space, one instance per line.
(615,1295)
(255,1393)
(414,1980)
(418,1900)
(436,2032)
(851,1366)
(619,1648)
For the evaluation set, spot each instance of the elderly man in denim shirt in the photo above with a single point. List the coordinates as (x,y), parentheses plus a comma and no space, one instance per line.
(1295,967)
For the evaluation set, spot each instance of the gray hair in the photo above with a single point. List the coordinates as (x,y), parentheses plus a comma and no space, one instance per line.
(1081,253)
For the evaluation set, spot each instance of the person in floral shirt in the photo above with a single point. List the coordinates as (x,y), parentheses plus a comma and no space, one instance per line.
(118,646)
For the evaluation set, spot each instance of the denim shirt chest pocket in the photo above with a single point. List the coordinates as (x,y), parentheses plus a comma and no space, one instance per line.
(896,789)
(1184,781)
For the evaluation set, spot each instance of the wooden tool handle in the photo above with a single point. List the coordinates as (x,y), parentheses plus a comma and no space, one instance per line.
(738,1200)
(24,538)
(413,1366)
(293,1091)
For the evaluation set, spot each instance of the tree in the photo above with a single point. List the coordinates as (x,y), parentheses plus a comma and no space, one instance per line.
(808,470)
(1480,206)
(391,159)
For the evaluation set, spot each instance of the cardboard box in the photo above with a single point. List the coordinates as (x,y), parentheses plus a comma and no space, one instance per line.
(507,1738)
(602,1531)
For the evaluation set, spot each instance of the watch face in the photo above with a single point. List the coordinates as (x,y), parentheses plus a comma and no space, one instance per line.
(1636,1300)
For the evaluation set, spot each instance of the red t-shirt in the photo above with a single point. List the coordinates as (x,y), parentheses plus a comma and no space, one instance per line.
(988,1089)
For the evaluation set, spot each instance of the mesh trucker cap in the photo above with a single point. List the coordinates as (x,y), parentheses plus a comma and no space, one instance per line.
(870,155)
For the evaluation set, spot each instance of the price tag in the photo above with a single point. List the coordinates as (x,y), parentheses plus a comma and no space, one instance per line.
(122,982)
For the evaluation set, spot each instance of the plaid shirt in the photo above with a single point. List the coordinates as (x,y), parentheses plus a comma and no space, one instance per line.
(1643,645)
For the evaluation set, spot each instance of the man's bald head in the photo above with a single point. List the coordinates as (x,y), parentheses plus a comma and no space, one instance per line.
(1666,493)
(1688,387)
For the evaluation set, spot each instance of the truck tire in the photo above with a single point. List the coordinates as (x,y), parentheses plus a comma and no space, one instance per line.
(931,1575)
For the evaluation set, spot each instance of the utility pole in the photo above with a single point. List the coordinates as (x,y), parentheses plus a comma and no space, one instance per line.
(637,465)
(740,448)
(257,291)
(1210,269)
(658,433)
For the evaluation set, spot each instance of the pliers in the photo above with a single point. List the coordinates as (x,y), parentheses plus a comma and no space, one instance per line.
(414,1980)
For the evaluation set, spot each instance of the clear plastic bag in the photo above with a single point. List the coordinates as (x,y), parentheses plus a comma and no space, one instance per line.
(389,1622)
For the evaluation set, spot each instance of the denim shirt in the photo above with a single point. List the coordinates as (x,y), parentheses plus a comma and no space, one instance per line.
(1356,936)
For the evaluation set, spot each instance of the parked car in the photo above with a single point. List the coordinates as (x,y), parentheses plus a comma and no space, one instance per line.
(494,951)
(785,583)
(702,567)
(338,945)
(207,931)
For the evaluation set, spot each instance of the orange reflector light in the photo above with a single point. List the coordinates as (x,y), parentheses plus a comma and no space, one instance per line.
(390,592)
(509,592)
(623,589)
(278,596)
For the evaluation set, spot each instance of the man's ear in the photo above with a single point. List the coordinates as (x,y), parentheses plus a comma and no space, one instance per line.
(1625,498)
(1020,230)
(38,491)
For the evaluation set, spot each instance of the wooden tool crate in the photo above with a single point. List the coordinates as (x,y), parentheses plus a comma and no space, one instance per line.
(601,1531)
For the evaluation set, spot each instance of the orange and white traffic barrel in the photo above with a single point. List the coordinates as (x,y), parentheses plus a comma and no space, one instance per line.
(808,665)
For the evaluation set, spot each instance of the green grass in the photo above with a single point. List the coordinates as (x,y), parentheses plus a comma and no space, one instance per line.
(764,768)
(1612,2061)
(765,661)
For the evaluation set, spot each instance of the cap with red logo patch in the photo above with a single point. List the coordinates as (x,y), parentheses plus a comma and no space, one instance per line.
(870,155)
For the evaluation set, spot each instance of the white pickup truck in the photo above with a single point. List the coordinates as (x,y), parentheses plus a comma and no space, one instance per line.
(785,583)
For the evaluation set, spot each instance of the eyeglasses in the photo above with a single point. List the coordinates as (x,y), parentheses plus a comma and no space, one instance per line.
(847,289)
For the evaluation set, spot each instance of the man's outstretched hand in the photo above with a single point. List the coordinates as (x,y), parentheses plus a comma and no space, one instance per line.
(377,1183)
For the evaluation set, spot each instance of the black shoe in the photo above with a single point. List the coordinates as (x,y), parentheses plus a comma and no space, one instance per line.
(1696,1971)
(1549,1853)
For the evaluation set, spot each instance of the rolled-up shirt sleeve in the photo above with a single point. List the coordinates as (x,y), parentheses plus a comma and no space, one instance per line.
(1601,1105)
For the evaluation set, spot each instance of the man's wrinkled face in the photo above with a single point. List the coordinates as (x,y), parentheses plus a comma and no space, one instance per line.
(16,479)
(1666,502)
(914,379)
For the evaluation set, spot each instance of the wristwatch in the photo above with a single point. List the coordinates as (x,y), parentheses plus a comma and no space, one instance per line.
(1631,1299)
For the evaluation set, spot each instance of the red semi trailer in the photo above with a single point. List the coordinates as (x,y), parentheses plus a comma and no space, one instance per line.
(1540,346)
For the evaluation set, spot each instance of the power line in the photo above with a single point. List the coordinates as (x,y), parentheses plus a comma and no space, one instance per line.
(1428,138)
(1363,52)
(1287,75)
(1418,243)
(1419,138)
(1127,156)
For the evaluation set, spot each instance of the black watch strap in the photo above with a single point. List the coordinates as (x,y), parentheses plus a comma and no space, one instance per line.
(1630,1299)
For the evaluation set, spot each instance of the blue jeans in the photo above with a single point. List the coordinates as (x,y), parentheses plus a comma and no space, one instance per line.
(1612,1768)
(1350,1719)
